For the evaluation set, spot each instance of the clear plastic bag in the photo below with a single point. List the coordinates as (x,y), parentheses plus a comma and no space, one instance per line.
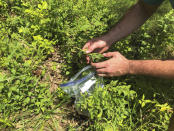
(84,81)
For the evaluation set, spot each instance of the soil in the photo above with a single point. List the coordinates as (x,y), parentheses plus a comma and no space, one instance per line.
(52,66)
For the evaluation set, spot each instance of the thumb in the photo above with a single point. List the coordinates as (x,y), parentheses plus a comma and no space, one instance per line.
(91,48)
(109,54)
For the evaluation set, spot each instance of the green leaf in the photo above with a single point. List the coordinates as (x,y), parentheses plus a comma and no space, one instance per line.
(27,100)
(1,86)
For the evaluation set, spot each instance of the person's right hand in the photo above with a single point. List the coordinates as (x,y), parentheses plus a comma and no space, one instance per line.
(97,45)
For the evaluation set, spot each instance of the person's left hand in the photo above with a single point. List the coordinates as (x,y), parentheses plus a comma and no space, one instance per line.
(117,65)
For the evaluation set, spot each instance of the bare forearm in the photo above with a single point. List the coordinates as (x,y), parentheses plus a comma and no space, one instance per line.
(135,17)
(157,68)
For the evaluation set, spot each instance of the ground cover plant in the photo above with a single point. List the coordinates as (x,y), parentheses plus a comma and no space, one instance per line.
(40,48)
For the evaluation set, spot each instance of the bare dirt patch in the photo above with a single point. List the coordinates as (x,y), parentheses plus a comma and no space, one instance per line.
(53,75)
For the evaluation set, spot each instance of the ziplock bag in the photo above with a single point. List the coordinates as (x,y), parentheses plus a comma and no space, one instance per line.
(84,81)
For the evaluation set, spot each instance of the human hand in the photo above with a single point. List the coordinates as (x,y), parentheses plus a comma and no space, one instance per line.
(97,45)
(117,65)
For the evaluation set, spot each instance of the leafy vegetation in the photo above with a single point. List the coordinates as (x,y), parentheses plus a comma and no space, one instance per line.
(30,34)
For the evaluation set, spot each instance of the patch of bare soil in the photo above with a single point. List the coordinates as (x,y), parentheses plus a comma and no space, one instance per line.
(53,73)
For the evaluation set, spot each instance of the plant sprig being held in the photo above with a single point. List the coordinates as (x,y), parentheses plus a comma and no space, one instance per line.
(94,57)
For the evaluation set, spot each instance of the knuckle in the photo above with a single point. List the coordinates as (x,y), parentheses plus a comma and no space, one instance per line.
(116,53)
(87,43)
(110,75)
(107,70)
(107,64)
(95,65)
(98,71)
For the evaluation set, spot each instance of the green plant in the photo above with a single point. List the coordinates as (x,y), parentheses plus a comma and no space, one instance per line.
(31,30)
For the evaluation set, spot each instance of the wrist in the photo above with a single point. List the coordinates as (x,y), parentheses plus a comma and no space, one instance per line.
(131,67)
(108,38)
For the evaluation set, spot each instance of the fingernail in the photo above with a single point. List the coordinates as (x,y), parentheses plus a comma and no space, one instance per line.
(87,51)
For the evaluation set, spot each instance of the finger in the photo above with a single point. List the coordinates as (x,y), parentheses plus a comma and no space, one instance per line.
(105,75)
(93,47)
(102,75)
(102,50)
(89,46)
(110,54)
(100,64)
(102,71)
(86,46)
(97,50)
(88,59)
